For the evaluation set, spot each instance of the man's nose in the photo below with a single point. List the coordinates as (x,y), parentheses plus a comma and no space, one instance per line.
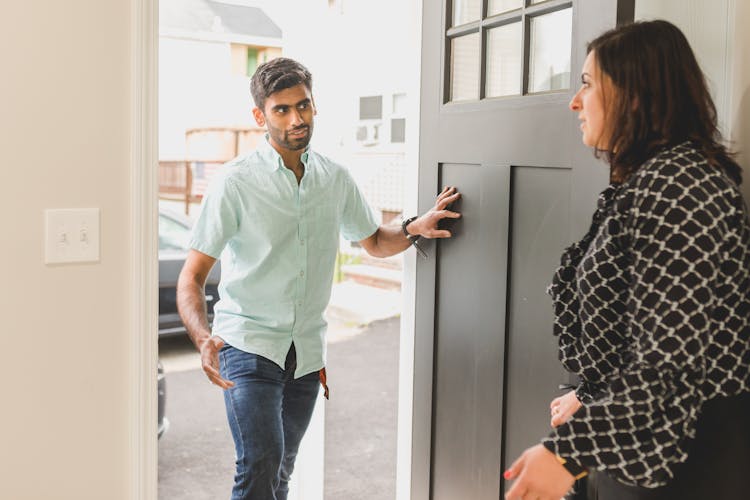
(296,117)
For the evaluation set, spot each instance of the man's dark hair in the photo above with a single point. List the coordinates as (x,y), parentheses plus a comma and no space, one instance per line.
(661,97)
(277,74)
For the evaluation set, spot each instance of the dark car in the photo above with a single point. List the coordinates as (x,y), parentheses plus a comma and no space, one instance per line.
(162,422)
(174,240)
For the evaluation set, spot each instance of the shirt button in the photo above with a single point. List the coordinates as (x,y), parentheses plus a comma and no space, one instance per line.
(302,273)
(301,242)
(299,302)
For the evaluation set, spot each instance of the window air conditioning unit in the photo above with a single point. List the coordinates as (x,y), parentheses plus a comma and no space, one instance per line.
(368,133)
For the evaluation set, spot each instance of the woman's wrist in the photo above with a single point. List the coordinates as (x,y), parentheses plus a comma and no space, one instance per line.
(574,468)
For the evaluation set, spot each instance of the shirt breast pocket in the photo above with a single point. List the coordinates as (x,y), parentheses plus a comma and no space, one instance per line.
(324,226)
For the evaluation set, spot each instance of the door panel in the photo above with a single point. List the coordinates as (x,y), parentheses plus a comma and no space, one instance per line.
(470,338)
(539,229)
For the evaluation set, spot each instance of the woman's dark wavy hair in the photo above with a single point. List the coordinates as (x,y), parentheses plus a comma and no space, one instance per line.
(661,98)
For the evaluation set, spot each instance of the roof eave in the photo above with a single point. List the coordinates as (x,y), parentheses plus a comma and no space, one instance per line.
(210,36)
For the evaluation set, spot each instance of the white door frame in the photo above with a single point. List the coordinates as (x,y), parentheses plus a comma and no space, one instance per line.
(143,233)
(143,459)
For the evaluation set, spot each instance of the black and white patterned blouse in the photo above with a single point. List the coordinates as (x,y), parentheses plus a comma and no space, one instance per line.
(652,312)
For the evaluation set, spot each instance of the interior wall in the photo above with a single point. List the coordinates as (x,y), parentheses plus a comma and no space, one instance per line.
(740,90)
(65,107)
(705,24)
(717,32)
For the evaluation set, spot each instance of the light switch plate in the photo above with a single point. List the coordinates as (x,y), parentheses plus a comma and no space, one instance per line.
(71,235)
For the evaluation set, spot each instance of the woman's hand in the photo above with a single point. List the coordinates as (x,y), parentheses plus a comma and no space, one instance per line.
(563,407)
(539,475)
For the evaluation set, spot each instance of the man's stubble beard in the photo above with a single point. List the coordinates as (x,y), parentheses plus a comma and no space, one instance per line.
(282,137)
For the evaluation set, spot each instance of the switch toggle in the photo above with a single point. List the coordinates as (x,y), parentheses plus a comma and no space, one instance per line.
(71,235)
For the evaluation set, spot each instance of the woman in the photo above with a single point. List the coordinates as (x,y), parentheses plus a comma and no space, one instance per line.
(653,305)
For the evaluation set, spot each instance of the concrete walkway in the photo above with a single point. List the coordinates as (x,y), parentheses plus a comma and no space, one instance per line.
(355,304)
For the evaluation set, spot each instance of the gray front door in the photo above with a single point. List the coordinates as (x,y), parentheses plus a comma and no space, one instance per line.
(497,76)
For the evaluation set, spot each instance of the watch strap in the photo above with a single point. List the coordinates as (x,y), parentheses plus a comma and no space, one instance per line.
(405,223)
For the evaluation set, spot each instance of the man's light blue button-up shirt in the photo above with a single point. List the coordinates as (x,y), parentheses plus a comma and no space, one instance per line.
(278,241)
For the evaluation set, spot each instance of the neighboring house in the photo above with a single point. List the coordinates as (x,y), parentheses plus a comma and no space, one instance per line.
(208,50)
(366,107)
(378,146)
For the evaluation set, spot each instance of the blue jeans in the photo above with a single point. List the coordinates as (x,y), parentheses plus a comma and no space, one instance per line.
(268,412)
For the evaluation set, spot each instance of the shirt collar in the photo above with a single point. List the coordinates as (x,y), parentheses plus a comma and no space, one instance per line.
(273,158)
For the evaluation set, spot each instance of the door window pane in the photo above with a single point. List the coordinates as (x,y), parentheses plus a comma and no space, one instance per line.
(465,68)
(466,11)
(549,64)
(500,6)
(504,60)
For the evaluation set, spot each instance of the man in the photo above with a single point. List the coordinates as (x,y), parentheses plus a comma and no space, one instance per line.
(276,214)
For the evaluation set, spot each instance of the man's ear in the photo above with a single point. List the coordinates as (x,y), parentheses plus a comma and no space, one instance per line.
(260,118)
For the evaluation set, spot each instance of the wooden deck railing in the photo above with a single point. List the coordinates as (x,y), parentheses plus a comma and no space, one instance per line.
(176,182)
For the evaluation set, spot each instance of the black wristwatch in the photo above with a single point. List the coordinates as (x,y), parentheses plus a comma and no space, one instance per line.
(575,469)
(405,223)
(413,238)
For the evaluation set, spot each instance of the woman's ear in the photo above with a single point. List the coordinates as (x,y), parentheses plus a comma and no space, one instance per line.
(260,118)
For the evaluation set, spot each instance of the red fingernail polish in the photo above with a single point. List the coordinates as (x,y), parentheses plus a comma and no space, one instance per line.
(506,474)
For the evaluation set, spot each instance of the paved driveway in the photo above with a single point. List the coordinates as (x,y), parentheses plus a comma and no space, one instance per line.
(196,455)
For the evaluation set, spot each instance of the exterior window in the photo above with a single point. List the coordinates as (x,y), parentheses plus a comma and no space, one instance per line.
(398,118)
(370,120)
(371,108)
(500,48)
(252,61)
(361,133)
(399,105)
(398,129)
(246,59)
